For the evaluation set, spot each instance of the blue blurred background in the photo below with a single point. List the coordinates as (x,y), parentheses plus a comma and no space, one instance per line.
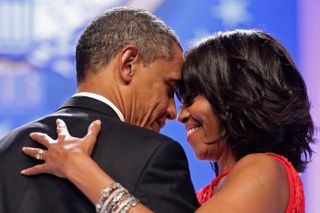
(37,43)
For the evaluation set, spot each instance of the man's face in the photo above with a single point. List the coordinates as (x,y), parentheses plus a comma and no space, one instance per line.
(153,90)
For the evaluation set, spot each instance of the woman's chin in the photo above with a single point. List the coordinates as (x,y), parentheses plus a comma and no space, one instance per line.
(201,156)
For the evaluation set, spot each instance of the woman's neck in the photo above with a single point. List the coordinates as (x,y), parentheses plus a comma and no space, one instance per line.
(226,161)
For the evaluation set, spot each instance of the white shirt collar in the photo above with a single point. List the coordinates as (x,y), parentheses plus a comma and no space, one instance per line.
(102,99)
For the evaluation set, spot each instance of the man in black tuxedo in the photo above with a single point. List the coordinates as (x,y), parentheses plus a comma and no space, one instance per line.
(128,63)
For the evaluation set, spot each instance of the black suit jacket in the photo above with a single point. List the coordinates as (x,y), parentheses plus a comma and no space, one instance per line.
(151,166)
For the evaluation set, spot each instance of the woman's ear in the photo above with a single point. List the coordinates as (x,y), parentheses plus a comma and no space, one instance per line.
(129,55)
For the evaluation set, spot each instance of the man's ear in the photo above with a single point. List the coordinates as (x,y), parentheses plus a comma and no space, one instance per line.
(129,56)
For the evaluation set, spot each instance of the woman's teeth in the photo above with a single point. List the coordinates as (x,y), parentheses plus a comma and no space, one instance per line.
(191,130)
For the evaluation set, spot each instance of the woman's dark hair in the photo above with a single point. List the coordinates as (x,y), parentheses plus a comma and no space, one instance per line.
(256,90)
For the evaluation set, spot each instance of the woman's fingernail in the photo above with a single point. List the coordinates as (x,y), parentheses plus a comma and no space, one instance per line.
(23,172)
(98,122)
(23,148)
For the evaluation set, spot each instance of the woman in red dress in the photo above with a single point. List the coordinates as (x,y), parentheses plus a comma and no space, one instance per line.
(245,108)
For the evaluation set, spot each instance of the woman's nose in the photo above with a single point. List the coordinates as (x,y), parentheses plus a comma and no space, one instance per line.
(183,115)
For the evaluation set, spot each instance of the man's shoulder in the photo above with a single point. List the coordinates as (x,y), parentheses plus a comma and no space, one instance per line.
(44,123)
(20,133)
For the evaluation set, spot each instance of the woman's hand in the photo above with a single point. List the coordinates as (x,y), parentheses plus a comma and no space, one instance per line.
(69,157)
(63,154)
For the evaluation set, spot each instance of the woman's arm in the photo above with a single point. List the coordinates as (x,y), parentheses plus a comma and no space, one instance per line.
(69,157)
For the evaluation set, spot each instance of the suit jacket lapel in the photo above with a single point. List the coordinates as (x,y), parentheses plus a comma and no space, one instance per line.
(89,104)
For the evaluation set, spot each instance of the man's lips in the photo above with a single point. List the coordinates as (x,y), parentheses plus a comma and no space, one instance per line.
(157,125)
(161,123)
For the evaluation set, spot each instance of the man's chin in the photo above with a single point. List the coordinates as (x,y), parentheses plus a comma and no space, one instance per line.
(155,127)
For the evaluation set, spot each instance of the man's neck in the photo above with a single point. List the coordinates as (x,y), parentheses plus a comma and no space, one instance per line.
(104,83)
(102,99)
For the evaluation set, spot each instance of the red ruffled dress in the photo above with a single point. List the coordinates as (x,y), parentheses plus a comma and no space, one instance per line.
(296,199)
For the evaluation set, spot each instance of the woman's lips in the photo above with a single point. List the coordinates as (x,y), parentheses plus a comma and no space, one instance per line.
(191,130)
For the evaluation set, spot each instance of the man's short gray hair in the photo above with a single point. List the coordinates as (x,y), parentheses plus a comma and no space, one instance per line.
(108,33)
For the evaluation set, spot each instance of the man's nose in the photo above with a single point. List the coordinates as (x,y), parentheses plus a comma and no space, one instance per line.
(171,111)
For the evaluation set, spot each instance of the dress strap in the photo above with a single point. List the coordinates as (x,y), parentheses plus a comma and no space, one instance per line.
(207,192)
(296,199)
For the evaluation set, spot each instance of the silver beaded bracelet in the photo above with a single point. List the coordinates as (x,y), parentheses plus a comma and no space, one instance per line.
(127,205)
(115,199)
(105,193)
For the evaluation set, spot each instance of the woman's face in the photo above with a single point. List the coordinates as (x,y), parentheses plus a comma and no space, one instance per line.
(202,126)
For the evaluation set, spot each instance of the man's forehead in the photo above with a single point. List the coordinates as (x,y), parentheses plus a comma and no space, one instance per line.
(177,53)
(171,68)
(174,73)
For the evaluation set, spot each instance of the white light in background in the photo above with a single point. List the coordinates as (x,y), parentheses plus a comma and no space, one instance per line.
(232,12)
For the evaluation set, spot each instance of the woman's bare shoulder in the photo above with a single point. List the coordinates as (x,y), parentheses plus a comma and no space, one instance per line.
(257,183)
(261,163)
(261,171)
